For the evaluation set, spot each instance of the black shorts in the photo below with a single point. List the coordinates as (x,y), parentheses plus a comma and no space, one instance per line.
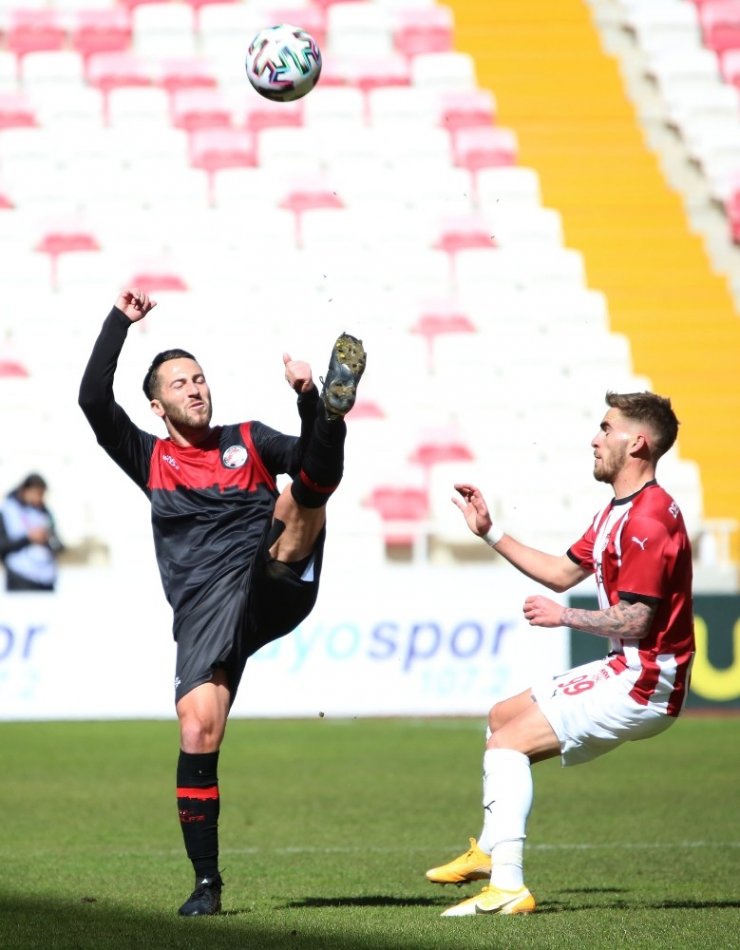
(241,612)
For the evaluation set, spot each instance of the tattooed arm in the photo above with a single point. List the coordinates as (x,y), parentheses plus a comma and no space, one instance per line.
(625,620)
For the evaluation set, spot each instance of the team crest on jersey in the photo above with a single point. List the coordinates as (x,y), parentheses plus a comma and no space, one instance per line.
(235,456)
(674,509)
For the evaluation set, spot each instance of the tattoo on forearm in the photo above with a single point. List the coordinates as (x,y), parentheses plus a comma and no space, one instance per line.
(625,620)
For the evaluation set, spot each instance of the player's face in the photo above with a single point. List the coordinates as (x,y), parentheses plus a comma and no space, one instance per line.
(183,395)
(611,445)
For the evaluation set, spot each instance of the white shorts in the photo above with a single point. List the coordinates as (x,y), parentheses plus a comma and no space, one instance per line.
(591,711)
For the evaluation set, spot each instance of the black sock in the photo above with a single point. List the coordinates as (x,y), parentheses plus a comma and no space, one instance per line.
(198,805)
(322,464)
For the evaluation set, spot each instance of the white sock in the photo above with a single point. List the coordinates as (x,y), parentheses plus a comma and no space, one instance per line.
(507,800)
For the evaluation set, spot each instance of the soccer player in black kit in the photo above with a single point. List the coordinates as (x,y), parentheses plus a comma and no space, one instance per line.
(239,561)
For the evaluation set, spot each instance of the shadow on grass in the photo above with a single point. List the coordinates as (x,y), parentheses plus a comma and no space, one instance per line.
(90,924)
(561,907)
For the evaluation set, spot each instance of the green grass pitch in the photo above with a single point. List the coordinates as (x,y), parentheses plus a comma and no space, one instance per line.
(328,826)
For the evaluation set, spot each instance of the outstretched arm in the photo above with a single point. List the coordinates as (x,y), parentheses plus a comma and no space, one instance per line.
(113,429)
(558,572)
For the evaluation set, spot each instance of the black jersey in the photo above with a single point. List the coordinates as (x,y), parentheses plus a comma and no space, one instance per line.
(210,503)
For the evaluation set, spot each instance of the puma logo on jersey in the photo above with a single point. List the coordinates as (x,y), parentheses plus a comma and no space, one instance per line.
(639,542)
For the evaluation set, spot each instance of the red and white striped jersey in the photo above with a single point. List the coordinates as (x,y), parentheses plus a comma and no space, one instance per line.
(639,550)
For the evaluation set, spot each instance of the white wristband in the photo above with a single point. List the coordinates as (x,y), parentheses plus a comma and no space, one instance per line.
(493,536)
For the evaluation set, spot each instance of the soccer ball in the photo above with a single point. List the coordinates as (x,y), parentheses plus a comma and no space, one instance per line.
(283,62)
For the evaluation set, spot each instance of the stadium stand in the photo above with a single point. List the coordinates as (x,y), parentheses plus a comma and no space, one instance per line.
(424,195)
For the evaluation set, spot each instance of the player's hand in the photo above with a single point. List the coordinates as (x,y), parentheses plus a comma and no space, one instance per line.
(542,612)
(474,508)
(38,535)
(297,373)
(135,304)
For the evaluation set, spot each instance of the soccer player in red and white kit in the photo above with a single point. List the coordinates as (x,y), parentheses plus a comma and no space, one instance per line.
(638,549)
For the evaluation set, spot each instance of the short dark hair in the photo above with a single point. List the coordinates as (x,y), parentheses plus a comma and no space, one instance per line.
(656,411)
(150,380)
(32,480)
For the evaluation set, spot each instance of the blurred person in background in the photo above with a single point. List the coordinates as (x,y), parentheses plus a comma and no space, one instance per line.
(29,543)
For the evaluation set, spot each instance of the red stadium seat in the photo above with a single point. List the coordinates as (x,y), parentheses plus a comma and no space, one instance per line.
(12,369)
(365,409)
(403,511)
(65,238)
(441,317)
(186,73)
(309,196)
(733,216)
(217,149)
(466,108)
(720,24)
(6,202)
(423,30)
(16,111)
(108,71)
(258,113)
(156,278)
(101,31)
(311,18)
(367,74)
(440,447)
(31,31)
(480,147)
(200,108)
(729,63)
(463,232)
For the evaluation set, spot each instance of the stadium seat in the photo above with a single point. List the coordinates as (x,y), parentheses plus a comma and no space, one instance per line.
(12,369)
(401,105)
(185,72)
(374,73)
(423,30)
(462,232)
(163,29)
(30,31)
(671,23)
(507,186)
(358,29)
(403,511)
(52,67)
(140,105)
(63,238)
(100,31)
(440,318)
(200,108)
(215,149)
(691,65)
(449,71)
(114,70)
(225,29)
(158,277)
(466,108)
(687,104)
(440,447)
(16,111)
(732,208)
(730,66)
(306,196)
(310,16)
(8,72)
(256,113)
(533,227)
(337,105)
(480,147)
(720,25)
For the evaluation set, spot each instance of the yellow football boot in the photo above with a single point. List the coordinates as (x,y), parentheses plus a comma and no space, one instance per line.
(474,865)
(494,900)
